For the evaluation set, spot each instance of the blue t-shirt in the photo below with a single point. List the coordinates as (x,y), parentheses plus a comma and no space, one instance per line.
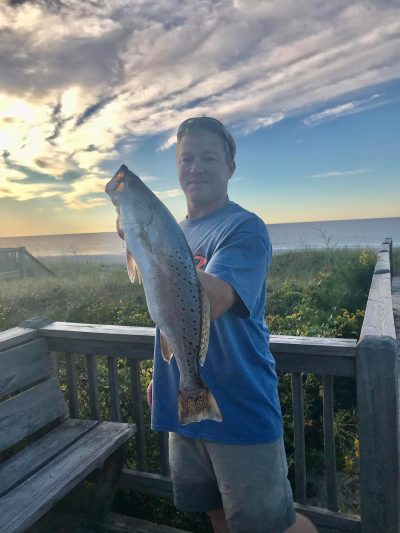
(233,245)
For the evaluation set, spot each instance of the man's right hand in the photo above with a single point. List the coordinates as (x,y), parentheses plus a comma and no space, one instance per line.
(149,393)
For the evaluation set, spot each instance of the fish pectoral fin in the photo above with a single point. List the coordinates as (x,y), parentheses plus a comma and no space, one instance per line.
(166,351)
(132,267)
(205,325)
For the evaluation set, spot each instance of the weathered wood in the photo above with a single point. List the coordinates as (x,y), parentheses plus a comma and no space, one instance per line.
(164,453)
(329,521)
(72,385)
(97,332)
(11,274)
(38,263)
(396,304)
(312,345)
(383,264)
(138,415)
(131,335)
(22,465)
(114,389)
(146,483)
(299,442)
(161,486)
(21,259)
(29,411)
(336,365)
(127,524)
(24,365)
(388,242)
(35,322)
(19,509)
(110,348)
(378,319)
(106,481)
(329,443)
(94,403)
(60,521)
(308,354)
(15,336)
(378,427)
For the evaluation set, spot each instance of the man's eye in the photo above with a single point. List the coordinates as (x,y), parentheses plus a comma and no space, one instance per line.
(209,158)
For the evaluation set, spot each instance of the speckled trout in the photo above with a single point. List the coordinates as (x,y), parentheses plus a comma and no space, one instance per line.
(157,253)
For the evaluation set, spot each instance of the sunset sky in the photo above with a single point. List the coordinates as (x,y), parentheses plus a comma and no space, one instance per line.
(309,89)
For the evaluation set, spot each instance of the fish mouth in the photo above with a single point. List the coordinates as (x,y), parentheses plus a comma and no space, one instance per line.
(116,182)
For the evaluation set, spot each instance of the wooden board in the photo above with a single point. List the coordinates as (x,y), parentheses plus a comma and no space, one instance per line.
(28,461)
(157,485)
(378,430)
(308,354)
(29,411)
(26,503)
(378,319)
(61,522)
(14,336)
(312,345)
(23,365)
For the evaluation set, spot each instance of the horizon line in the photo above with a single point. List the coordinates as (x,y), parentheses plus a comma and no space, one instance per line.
(267,224)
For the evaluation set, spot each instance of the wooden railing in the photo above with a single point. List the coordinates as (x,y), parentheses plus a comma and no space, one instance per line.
(372,362)
(378,404)
(19,263)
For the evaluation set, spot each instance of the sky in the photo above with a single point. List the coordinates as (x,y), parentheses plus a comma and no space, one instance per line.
(310,91)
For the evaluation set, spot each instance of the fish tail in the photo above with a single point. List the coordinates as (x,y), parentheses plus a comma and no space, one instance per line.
(195,408)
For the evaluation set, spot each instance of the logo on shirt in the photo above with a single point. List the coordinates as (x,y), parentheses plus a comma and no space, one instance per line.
(199,260)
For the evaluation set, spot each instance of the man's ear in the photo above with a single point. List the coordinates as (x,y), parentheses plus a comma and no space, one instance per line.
(232,168)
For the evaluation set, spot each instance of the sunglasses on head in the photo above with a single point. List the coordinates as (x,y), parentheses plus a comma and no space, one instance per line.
(210,124)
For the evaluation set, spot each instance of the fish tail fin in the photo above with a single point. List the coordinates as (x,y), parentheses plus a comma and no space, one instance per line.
(195,408)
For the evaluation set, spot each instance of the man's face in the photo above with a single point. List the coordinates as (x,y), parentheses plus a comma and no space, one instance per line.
(203,169)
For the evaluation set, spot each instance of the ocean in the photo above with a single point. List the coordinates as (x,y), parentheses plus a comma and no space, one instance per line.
(294,236)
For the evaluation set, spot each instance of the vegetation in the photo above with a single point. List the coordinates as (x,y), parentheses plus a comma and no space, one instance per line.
(312,293)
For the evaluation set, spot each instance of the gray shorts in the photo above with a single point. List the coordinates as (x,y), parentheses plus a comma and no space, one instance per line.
(248,481)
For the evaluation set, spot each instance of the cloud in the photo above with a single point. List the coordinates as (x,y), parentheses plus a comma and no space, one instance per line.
(172,193)
(82,81)
(262,122)
(342,173)
(148,179)
(13,184)
(345,109)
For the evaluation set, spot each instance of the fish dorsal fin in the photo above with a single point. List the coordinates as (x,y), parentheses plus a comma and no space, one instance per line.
(205,325)
(166,351)
(132,267)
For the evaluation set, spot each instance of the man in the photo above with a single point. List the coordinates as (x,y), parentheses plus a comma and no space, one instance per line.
(234,470)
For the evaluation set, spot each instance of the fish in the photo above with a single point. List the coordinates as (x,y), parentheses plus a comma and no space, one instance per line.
(157,252)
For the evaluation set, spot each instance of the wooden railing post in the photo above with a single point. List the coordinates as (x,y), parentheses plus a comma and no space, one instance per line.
(378,427)
(22,261)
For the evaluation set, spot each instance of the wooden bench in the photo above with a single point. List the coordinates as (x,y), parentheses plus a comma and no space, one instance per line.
(43,453)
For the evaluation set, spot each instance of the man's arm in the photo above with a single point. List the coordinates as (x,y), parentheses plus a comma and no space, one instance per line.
(220,294)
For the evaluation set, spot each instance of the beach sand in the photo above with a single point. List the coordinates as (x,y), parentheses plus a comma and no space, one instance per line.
(108,259)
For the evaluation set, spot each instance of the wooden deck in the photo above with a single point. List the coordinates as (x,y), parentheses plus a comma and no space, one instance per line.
(61,522)
(372,361)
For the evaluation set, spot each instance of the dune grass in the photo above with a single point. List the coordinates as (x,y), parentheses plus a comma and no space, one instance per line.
(316,293)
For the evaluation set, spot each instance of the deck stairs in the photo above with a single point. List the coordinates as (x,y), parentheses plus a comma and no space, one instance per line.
(19,263)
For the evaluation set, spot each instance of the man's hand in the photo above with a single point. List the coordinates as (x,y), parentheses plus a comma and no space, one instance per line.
(220,294)
(149,393)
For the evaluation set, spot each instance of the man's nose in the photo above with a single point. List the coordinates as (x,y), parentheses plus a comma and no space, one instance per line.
(197,165)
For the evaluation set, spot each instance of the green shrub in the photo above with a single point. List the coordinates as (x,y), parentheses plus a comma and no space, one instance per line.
(320,293)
